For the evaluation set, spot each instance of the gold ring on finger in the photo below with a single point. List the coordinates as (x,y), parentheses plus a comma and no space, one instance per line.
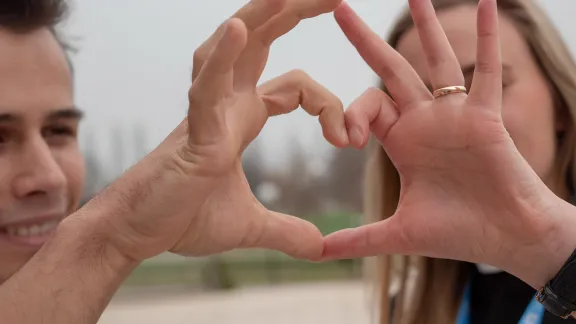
(449,90)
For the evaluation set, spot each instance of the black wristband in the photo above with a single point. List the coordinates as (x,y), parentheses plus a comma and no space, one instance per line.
(559,295)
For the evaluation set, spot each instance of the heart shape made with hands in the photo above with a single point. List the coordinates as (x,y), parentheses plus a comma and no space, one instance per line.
(466,190)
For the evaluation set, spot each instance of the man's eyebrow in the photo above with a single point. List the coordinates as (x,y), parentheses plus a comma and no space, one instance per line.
(66,113)
(8,118)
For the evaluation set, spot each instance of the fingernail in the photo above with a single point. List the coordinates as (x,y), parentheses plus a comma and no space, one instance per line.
(344,136)
(356,137)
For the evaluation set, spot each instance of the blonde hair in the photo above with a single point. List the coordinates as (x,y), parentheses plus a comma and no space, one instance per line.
(428,290)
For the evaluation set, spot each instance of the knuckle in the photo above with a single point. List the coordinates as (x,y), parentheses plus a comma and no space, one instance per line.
(438,61)
(487,33)
(298,75)
(353,114)
(486,66)
(200,55)
(387,72)
(192,91)
(330,103)
(336,104)
(194,96)
(373,91)
(296,79)
(275,5)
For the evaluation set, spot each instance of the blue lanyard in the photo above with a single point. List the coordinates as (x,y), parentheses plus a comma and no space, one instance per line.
(533,314)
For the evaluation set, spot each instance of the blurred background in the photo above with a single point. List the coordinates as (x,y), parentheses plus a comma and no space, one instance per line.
(133,66)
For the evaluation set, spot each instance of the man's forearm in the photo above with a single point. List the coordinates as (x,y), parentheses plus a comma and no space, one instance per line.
(69,281)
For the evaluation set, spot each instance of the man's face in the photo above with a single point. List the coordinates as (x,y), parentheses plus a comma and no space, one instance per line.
(41,167)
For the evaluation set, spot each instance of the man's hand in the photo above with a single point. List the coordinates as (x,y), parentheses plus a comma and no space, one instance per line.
(190,195)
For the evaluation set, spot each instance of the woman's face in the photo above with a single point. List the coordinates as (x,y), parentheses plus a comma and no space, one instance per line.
(528,107)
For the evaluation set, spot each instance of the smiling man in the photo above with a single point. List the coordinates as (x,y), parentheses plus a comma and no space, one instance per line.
(41,167)
(62,265)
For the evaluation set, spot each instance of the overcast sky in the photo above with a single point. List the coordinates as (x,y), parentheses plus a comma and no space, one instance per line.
(134,62)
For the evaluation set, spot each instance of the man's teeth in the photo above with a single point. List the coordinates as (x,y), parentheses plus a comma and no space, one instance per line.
(32,230)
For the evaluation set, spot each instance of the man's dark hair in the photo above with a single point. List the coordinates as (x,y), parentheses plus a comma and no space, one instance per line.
(26,15)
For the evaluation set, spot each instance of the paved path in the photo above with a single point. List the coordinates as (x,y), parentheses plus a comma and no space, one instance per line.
(333,303)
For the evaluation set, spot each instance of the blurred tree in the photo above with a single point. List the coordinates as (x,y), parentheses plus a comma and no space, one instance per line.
(216,274)
(253,166)
(98,175)
(118,150)
(95,178)
(297,185)
(345,179)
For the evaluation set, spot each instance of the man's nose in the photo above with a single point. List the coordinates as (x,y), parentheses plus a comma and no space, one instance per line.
(39,171)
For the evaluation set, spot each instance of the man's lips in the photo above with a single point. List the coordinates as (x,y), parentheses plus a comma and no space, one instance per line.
(31,232)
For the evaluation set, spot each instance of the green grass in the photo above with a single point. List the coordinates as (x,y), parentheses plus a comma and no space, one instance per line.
(330,223)
(230,274)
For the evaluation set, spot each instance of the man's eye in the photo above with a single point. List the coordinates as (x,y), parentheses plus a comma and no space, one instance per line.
(59,135)
(4,137)
(59,131)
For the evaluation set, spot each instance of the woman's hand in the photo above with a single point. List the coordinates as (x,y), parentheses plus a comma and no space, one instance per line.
(467,193)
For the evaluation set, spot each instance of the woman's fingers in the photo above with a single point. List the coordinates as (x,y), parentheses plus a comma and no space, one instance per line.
(254,14)
(369,240)
(286,93)
(443,65)
(487,84)
(372,112)
(401,80)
